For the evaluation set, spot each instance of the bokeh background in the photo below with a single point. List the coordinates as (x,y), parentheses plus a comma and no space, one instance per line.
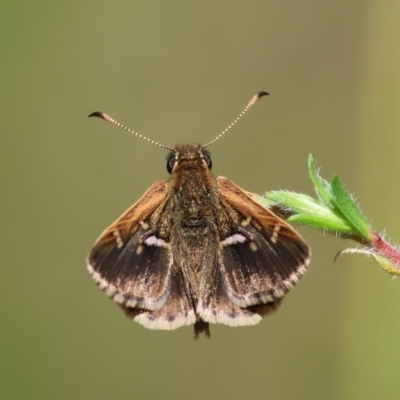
(180,72)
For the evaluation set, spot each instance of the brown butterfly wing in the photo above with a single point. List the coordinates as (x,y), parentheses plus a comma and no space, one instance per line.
(122,267)
(263,259)
(135,268)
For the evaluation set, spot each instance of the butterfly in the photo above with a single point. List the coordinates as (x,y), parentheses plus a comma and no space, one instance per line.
(197,249)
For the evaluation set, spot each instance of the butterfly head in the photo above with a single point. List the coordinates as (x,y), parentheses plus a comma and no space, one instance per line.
(190,161)
(188,157)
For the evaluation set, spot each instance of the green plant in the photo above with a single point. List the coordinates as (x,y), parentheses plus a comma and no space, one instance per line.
(335,211)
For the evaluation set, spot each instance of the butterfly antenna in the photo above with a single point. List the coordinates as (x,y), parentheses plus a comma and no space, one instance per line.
(251,103)
(106,117)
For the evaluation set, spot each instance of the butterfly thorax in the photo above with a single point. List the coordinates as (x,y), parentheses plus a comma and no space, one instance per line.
(191,210)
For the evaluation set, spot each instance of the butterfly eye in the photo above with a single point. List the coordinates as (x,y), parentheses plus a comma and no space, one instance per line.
(207,159)
(170,163)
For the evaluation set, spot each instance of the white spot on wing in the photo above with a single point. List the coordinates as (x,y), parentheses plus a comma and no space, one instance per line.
(234,239)
(278,292)
(155,241)
(246,222)
(109,291)
(274,236)
(117,235)
(253,246)
(144,225)
(118,298)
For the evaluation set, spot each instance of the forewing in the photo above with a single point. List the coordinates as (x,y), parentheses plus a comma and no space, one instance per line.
(264,258)
(128,262)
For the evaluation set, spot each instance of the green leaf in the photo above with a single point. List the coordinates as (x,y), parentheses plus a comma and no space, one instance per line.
(263,200)
(309,212)
(349,209)
(329,225)
(322,186)
(294,202)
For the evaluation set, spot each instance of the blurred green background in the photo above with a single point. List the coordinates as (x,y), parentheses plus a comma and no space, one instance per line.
(180,72)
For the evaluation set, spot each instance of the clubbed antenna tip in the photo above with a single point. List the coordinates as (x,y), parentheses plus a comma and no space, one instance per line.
(97,114)
(261,94)
(251,103)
